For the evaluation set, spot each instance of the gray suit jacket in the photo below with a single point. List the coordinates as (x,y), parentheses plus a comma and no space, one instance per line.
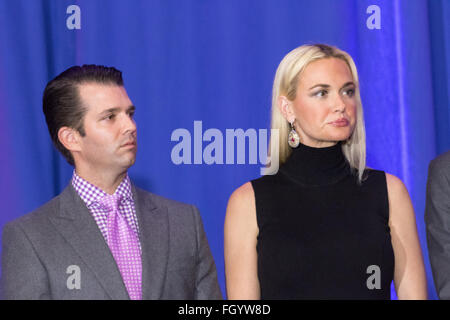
(437,220)
(39,247)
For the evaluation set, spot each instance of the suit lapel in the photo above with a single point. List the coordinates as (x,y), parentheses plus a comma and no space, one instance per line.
(154,237)
(78,227)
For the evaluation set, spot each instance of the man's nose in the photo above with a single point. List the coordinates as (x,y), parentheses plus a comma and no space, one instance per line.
(129,125)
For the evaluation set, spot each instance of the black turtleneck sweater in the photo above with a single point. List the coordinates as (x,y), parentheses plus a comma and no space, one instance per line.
(320,232)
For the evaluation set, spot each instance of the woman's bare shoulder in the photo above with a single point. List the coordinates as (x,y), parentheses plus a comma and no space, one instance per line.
(244,192)
(396,187)
(241,205)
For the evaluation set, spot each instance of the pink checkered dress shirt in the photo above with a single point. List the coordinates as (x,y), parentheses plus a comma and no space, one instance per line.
(90,194)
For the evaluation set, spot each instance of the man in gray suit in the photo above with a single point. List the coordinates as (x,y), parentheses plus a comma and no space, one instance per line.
(437,219)
(102,237)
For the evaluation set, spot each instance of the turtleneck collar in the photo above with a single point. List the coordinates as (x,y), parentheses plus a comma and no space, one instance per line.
(316,166)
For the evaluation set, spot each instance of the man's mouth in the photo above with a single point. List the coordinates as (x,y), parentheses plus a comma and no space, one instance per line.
(129,144)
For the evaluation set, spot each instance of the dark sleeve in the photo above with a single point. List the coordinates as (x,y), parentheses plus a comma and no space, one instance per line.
(437,220)
(23,275)
(206,284)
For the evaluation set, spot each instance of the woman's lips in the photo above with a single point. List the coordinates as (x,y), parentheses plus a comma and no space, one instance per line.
(340,123)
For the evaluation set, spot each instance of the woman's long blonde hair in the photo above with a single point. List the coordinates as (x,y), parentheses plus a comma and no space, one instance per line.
(286,83)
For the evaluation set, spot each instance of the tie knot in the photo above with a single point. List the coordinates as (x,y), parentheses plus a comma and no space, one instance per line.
(111,202)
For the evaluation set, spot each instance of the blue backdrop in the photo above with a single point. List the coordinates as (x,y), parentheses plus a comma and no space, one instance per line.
(214,61)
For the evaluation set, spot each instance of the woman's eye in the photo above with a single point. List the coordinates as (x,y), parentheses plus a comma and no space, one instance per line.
(321,93)
(350,92)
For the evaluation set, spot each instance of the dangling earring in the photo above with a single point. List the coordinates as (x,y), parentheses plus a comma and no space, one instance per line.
(293,139)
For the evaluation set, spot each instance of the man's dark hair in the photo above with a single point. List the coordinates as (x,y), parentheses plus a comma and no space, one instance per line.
(62,104)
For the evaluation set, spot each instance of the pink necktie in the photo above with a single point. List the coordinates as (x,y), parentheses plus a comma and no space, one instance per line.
(124,246)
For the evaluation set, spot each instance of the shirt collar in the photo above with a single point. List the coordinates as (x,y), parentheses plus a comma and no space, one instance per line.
(91,194)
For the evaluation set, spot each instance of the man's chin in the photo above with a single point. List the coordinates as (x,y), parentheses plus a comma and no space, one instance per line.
(126,163)
(131,162)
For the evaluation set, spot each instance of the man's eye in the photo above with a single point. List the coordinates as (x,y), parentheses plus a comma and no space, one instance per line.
(110,117)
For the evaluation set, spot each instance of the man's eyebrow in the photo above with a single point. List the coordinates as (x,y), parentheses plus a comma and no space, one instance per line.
(117,109)
(328,86)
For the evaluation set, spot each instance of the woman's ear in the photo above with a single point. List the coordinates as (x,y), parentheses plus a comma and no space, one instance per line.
(286,109)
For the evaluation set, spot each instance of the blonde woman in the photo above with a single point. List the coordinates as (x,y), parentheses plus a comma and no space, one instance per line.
(324,226)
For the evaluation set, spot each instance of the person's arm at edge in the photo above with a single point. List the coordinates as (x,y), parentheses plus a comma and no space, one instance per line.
(207,285)
(409,273)
(437,220)
(240,232)
(23,275)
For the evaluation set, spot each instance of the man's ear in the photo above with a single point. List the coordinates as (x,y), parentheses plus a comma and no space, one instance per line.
(69,138)
(285,107)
